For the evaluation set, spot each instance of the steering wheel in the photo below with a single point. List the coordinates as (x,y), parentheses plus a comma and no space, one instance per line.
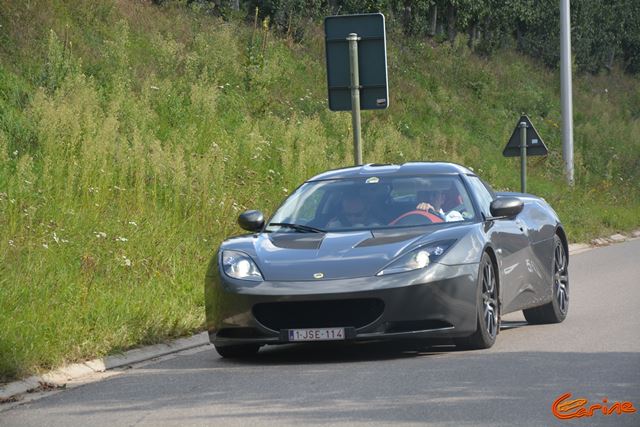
(416,217)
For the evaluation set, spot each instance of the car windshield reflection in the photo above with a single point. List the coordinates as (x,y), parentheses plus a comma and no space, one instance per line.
(373,203)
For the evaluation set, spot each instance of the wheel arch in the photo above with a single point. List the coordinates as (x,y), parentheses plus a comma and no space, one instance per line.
(563,238)
(494,260)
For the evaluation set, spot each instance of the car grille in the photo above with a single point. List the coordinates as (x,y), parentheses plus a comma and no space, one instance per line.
(356,313)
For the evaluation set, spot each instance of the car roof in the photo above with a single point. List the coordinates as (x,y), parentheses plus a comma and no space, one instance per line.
(405,169)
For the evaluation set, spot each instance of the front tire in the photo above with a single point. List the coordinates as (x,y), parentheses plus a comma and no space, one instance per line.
(487,308)
(237,351)
(556,310)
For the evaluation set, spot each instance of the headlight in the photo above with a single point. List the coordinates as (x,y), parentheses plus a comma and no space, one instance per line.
(239,265)
(417,258)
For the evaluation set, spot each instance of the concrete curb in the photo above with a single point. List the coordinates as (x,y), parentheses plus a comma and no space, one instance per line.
(58,378)
(576,248)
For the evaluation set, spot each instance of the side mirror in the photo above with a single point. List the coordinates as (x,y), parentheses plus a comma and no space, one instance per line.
(251,220)
(506,207)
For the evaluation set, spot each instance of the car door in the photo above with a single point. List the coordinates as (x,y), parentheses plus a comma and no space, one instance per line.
(512,246)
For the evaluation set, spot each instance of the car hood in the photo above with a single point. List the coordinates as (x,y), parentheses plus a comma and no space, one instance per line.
(343,255)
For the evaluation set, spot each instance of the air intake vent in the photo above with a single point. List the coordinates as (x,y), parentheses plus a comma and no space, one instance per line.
(318,314)
(239,333)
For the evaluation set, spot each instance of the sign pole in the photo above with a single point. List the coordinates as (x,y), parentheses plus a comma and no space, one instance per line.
(566,100)
(523,157)
(524,141)
(353,38)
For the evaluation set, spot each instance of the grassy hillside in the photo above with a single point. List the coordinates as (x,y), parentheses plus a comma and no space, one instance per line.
(132,135)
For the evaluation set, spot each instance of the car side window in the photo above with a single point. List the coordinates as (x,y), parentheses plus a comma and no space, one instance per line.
(483,195)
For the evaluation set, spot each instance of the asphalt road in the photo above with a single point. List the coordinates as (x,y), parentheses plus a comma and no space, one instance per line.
(594,354)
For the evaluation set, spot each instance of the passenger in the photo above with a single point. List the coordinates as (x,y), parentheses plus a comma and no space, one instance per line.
(355,212)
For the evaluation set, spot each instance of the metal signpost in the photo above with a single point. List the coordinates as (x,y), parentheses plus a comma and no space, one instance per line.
(523,157)
(356,67)
(566,101)
(354,74)
(525,141)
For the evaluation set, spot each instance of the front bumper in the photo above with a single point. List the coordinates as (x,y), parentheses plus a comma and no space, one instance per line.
(438,301)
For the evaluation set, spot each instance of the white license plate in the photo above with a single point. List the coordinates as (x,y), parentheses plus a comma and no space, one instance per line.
(316,334)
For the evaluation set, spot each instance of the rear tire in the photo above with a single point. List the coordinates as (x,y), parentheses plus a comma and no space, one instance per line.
(237,351)
(487,308)
(556,310)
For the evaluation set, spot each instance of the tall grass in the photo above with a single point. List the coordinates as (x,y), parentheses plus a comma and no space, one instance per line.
(131,136)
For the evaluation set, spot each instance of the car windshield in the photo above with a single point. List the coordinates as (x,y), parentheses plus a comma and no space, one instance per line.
(373,202)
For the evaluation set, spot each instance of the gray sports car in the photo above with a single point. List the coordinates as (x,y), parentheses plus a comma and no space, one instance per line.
(418,250)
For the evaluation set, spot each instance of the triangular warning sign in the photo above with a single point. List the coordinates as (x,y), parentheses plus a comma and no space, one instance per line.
(535,145)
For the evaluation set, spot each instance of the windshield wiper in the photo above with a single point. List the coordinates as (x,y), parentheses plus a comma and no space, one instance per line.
(298,227)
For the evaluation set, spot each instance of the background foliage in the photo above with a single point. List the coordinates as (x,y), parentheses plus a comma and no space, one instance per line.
(602,30)
(132,134)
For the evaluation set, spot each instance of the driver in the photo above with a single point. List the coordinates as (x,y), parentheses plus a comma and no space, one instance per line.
(435,206)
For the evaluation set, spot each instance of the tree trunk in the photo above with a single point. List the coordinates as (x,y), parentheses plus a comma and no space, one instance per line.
(473,30)
(406,17)
(451,22)
(609,64)
(434,20)
(519,38)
